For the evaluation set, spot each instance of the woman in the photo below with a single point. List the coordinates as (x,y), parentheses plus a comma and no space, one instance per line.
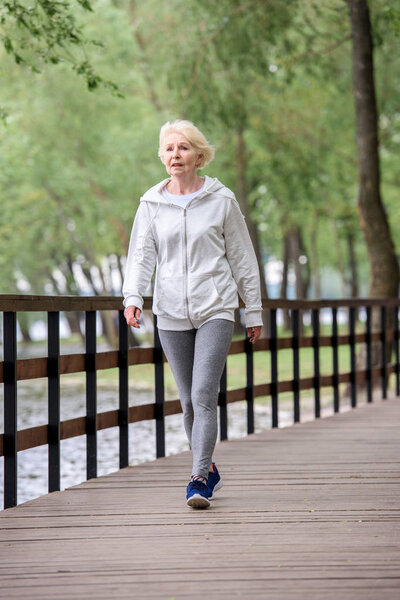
(192,230)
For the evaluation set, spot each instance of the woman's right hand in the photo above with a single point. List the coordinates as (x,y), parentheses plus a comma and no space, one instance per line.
(132,316)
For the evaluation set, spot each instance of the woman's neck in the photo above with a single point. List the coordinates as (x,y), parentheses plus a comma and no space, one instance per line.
(185,184)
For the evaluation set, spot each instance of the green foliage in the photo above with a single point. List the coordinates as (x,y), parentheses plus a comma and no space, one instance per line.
(73,165)
(385,18)
(47,32)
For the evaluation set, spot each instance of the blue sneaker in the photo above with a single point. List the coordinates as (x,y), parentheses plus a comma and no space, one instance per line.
(214,482)
(197,494)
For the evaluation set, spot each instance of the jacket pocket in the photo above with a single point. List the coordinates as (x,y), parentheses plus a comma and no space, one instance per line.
(204,297)
(170,298)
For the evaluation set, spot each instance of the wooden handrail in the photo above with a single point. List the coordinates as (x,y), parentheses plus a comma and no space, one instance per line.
(31,303)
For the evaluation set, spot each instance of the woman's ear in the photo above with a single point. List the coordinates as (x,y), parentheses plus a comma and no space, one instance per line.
(199,160)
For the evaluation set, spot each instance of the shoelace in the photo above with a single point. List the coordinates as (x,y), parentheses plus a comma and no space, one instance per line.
(197,484)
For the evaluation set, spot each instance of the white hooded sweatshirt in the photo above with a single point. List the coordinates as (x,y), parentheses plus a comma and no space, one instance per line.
(203,254)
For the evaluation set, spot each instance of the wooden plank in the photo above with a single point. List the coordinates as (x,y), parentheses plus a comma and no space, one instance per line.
(310,511)
(31,303)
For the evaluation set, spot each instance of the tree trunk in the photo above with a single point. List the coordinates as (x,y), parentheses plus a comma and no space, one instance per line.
(241,194)
(295,252)
(294,241)
(305,271)
(291,253)
(385,275)
(121,268)
(24,326)
(284,283)
(339,258)
(120,271)
(353,283)
(109,324)
(73,317)
(316,273)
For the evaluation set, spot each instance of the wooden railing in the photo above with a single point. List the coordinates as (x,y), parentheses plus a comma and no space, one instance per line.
(54,365)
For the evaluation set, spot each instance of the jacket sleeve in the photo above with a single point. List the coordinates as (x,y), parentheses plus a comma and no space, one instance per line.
(243,262)
(141,261)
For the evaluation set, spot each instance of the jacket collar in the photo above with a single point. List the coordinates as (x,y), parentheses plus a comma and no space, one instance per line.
(154,194)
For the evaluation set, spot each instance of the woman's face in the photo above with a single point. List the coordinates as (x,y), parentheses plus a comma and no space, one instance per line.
(179,156)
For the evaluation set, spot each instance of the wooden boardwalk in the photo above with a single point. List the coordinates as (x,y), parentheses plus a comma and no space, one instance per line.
(306,512)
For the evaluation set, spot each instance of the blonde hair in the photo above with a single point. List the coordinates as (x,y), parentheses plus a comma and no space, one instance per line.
(194,136)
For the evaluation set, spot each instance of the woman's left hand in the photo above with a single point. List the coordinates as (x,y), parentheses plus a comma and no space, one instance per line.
(254,333)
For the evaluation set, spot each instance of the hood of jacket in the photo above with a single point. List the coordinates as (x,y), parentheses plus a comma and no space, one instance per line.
(212,186)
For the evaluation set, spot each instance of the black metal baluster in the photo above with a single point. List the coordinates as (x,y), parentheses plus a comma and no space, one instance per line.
(352,344)
(273,346)
(396,348)
(159,393)
(223,412)
(249,383)
(315,345)
(368,354)
(91,395)
(383,352)
(296,365)
(123,371)
(335,358)
(53,375)
(10,408)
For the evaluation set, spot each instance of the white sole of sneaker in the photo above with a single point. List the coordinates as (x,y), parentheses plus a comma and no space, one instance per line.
(217,487)
(198,501)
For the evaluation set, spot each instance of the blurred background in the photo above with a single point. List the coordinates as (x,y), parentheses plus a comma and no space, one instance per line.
(275,86)
(269,82)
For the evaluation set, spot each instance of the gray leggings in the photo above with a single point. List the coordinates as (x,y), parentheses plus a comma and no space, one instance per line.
(197,358)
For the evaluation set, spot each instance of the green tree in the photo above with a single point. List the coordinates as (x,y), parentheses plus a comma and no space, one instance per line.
(272,91)
(385,273)
(47,32)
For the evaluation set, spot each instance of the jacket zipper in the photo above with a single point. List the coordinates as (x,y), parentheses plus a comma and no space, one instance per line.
(186,263)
